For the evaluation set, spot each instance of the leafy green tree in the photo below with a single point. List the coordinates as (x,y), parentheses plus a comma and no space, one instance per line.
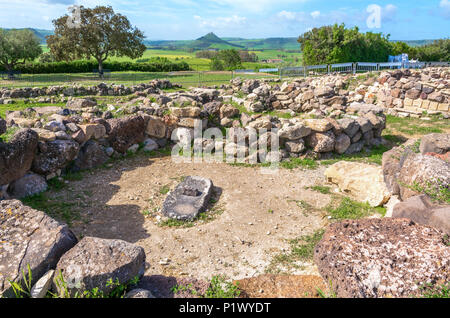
(17,47)
(216,65)
(231,59)
(337,44)
(101,34)
(438,51)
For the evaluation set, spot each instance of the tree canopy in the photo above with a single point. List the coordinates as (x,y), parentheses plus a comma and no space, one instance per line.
(337,44)
(18,47)
(101,34)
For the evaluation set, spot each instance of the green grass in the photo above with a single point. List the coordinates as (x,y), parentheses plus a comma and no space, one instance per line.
(414,126)
(321,189)
(374,156)
(440,291)
(350,209)
(301,250)
(54,207)
(6,137)
(164,189)
(293,163)
(21,105)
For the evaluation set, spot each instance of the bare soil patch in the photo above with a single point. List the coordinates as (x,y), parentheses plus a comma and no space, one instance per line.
(255,215)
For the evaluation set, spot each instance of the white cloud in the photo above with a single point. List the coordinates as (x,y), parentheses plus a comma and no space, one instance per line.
(221,22)
(315,14)
(445,8)
(388,13)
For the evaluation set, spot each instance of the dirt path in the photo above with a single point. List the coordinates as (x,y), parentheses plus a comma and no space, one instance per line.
(259,213)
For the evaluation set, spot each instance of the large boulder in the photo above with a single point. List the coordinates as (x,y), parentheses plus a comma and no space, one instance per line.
(91,155)
(2,126)
(29,238)
(17,156)
(321,142)
(362,181)
(392,162)
(57,155)
(94,261)
(125,132)
(423,174)
(388,257)
(189,198)
(435,143)
(421,209)
(28,185)
(81,103)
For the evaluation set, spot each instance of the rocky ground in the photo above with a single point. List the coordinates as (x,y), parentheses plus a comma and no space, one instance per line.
(339,217)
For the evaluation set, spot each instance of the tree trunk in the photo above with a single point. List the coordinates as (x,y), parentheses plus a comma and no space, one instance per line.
(9,70)
(100,68)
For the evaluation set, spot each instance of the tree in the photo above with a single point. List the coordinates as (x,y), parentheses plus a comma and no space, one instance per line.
(231,59)
(216,65)
(18,47)
(337,44)
(101,34)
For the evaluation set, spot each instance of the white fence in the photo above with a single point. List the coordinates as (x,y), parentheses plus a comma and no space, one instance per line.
(359,67)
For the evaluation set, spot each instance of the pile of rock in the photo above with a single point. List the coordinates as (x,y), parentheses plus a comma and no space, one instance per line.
(84,135)
(31,240)
(102,89)
(400,92)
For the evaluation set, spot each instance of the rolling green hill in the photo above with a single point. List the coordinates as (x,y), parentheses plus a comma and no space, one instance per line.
(41,34)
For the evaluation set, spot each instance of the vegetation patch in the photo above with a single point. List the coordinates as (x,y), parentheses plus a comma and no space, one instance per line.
(350,209)
(301,250)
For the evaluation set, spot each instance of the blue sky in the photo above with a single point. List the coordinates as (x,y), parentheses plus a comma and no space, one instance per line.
(189,19)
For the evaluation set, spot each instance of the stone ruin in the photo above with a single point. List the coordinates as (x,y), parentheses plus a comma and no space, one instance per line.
(328,118)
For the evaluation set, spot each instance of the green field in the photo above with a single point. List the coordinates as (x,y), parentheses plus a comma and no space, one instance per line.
(198,64)
(185,79)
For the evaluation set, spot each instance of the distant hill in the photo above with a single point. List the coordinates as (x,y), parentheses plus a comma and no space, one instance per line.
(212,41)
(41,34)
(416,43)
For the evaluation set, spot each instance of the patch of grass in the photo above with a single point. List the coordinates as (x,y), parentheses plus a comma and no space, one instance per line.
(440,291)
(350,209)
(437,191)
(293,163)
(415,126)
(7,136)
(321,189)
(53,207)
(220,288)
(164,189)
(375,156)
(301,249)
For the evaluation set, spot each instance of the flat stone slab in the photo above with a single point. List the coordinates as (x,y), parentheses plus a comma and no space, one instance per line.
(29,238)
(189,198)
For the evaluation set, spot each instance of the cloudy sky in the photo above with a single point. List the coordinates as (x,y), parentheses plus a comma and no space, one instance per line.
(189,19)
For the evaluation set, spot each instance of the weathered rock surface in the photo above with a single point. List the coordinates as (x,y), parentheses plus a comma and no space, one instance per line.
(57,155)
(382,258)
(421,173)
(139,293)
(93,261)
(91,155)
(17,156)
(81,103)
(421,209)
(125,132)
(28,185)
(2,126)
(29,238)
(189,198)
(321,142)
(364,182)
(435,143)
